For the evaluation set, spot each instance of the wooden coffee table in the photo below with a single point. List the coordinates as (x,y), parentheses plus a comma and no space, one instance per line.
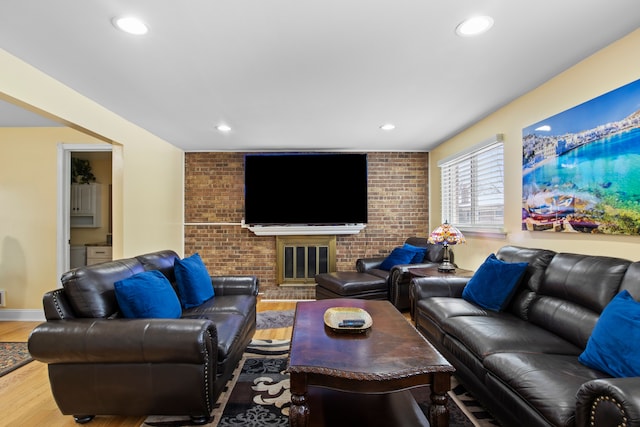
(389,357)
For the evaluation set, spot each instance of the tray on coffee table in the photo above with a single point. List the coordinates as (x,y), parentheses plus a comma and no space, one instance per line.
(342,319)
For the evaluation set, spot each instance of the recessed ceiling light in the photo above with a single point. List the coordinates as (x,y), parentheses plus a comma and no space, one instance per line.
(388,126)
(474,26)
(130,25)
(223,128)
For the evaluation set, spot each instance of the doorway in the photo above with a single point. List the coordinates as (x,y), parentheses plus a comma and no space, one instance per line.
(89,224)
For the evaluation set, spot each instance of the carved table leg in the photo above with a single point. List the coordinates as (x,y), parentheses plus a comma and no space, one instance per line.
(438,412)
(299,410)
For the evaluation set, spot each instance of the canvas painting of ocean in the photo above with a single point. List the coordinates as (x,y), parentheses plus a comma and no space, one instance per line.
(581,167)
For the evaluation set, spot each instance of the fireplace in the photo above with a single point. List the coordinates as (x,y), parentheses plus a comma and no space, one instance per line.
(300,258)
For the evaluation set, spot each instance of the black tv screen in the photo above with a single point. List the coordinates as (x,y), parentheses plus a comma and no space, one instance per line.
(305,188)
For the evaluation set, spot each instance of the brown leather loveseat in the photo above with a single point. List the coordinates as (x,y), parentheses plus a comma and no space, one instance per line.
(103,364)
(524,362)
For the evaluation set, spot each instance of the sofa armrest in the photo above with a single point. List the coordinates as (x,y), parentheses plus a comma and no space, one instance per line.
(364,264)
(399,277)
(125,341)
(235,285)
(441,286)
(56,305)
(609,402)
(400,273)
(438,286)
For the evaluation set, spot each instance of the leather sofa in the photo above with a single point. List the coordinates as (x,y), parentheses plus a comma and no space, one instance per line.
(522,363)
(103,364)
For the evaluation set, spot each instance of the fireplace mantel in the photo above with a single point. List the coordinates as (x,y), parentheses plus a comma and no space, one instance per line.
(304,230)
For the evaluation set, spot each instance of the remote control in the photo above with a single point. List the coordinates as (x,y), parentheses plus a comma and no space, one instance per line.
(351,323)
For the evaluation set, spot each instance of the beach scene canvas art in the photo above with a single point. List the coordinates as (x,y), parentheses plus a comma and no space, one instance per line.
(581,167)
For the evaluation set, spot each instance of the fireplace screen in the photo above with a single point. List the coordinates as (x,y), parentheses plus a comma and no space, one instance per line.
(300,258)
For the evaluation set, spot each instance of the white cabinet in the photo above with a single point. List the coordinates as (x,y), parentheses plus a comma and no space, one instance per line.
(98,254)
(86,205)
(78,256)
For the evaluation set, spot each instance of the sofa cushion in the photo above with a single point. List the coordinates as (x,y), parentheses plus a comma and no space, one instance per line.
(350,283)
(239,304)
(418,255)
(494,283)
(432,312)
(383,274)
(548,381)
(230,328)
(160,260)
(589,280)
(398,256)
(566,319)
(435,253)
(538,260)
(613,345)
(90,291)
(499,332)
(194,282)
(147,295)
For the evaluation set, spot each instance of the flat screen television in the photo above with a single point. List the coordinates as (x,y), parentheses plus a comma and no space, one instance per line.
(305,189)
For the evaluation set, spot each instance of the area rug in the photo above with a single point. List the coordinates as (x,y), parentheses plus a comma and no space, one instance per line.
(289,293)
(273,319)
(12,356)
(258,395)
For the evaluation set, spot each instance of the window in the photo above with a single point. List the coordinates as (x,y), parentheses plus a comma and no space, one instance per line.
(473,187)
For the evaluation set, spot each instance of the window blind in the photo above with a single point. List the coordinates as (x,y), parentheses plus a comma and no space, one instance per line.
(472,187)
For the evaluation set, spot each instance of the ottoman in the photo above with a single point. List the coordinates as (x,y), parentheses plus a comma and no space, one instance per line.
(351,284)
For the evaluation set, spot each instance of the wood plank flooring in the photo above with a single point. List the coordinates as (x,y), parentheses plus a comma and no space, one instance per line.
(25,395)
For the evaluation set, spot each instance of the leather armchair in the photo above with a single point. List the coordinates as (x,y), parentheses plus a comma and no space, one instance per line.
(399,276)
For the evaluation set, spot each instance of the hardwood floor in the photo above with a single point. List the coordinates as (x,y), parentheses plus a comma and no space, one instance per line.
(25,396)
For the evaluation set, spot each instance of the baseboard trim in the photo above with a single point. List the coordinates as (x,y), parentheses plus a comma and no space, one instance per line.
(21,315)
(297,285)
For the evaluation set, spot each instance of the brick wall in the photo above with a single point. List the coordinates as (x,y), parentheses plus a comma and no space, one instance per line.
(214,189)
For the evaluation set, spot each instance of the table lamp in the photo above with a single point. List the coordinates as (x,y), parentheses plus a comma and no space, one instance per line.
(446,234)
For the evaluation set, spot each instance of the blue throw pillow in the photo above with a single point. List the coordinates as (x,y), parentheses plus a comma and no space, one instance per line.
(147,295)
(193,280)
(613,344)
(419,252)
(494,283)
(396,257)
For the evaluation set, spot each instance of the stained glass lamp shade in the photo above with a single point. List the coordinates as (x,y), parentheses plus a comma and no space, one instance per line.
(446,234)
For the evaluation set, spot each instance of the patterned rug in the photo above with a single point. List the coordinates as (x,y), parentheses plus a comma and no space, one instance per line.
(273,319)
(12,356)
(289,293)
(258,395)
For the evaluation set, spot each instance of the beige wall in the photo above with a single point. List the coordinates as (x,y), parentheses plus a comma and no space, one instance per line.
(28,209)
(148,184)
(608,69)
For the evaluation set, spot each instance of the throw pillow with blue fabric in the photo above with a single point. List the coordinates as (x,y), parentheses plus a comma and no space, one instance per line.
(147,295)
(613,344)
(494,283)
(398,256)
(193,280)
(418,251)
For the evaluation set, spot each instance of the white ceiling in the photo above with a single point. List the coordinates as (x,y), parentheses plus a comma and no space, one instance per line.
(305,74)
